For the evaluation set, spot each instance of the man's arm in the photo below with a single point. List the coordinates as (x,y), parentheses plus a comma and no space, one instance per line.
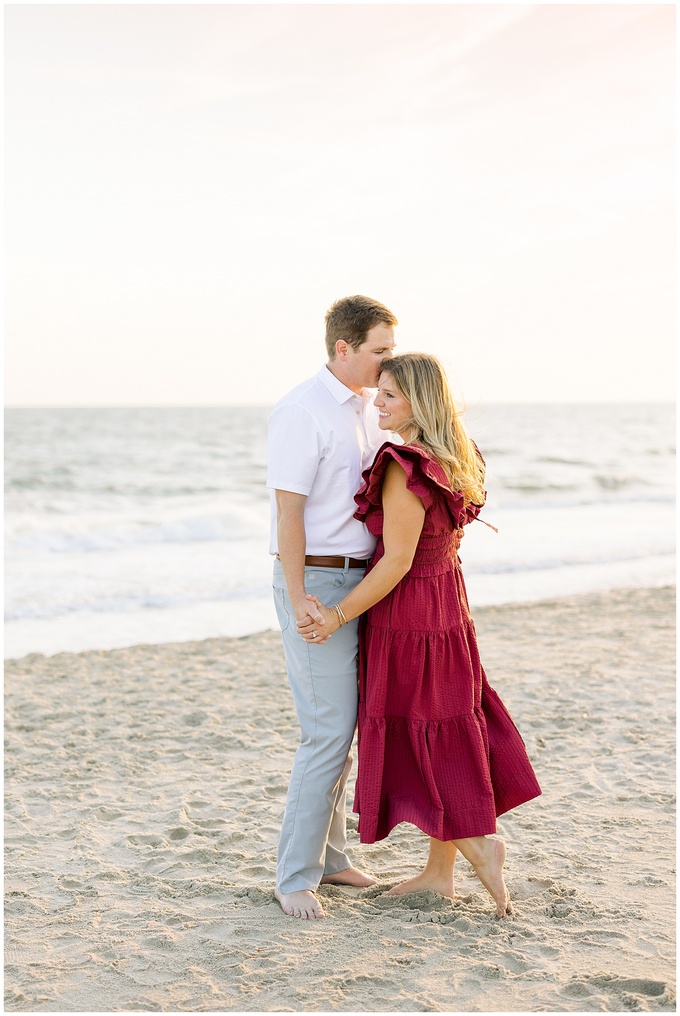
(404,516)
(290,511)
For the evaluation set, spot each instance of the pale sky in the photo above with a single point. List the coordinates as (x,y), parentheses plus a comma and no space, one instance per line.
(188,188)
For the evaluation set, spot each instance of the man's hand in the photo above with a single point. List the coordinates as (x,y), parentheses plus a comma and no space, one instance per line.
(313,631)
(307,612)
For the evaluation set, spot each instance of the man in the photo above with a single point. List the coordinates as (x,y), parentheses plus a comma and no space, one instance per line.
(321,436)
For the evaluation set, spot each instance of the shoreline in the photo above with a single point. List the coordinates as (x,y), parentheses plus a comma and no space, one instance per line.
(145,788)
(476,612)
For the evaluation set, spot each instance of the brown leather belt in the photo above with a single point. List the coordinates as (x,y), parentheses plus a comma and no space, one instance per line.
(331,562)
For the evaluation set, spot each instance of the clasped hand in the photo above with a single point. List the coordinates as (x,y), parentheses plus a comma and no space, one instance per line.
(312,630)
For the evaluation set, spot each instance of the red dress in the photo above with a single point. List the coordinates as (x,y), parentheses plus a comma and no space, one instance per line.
(437,747)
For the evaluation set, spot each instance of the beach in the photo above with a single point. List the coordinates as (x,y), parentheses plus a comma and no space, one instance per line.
(145,788)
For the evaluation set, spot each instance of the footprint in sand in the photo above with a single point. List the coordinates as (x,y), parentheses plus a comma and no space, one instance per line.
(257,896)
(108,814)
(179,833)
(210,823)
(275,791)
(638,985)
(196,719)
(198,802)
(145,840)
(69,883)
(627,993)
(422,901)
(258,871)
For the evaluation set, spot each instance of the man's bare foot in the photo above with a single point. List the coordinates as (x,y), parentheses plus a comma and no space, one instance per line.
(435,883)
(490,873)
(302,904)
(349,876)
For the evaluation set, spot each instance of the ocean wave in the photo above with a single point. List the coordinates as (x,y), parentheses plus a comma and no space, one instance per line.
(615,482)
(230,526)
(576,561)
(249,522)
(595,503)
(558,461)
(538,487)
(588,491)
(127,604)
(246,575)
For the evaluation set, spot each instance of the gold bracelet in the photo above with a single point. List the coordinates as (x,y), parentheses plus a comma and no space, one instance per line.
(341,617)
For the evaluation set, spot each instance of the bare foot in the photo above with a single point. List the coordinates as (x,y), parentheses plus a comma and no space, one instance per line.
(437,884)
(349,876)
(302,904)
(490,873)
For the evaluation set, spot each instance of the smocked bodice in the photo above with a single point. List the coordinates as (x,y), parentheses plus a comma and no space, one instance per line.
(445,510)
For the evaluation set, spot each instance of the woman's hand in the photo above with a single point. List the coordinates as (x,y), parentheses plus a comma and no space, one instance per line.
(312,631)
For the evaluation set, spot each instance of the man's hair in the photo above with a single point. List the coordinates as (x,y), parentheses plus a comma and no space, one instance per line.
(352,318)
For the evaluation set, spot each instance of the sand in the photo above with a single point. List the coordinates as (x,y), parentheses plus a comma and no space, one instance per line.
(145,788)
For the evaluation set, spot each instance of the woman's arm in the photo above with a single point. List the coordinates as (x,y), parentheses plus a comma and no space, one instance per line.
(404,515)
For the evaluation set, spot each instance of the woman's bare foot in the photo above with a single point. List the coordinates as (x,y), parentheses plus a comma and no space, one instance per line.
(302,904)
(442,884)
(437,875)
(489,868)
(349,876)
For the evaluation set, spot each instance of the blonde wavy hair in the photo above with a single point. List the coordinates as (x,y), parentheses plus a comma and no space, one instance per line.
(436,423)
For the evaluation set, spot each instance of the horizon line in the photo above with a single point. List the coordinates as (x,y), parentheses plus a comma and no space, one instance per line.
(269,405)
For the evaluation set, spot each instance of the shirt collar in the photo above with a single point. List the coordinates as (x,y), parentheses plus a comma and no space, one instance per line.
(340,392)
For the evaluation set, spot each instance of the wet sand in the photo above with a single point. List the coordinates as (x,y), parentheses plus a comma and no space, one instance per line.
(145,788)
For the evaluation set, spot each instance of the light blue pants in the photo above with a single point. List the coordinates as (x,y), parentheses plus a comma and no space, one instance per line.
(323,680)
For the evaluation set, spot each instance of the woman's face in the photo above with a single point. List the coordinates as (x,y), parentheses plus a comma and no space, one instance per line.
(394,410)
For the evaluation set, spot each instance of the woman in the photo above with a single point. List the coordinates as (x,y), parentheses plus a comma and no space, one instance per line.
(437,747)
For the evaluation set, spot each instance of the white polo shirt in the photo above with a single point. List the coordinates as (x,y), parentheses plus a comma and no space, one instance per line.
(321,437)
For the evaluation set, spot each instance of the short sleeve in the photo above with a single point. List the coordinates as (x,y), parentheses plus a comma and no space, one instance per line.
(294,450)
(424,476)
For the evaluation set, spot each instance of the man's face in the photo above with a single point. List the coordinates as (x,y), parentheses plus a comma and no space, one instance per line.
(364,362)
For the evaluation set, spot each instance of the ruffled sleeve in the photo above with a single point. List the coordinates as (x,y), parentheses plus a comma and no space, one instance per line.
(424,476)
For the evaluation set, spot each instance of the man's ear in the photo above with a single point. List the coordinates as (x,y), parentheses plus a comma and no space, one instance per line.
(342,349)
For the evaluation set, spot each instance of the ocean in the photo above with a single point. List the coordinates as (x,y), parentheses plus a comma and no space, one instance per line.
(151,525)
